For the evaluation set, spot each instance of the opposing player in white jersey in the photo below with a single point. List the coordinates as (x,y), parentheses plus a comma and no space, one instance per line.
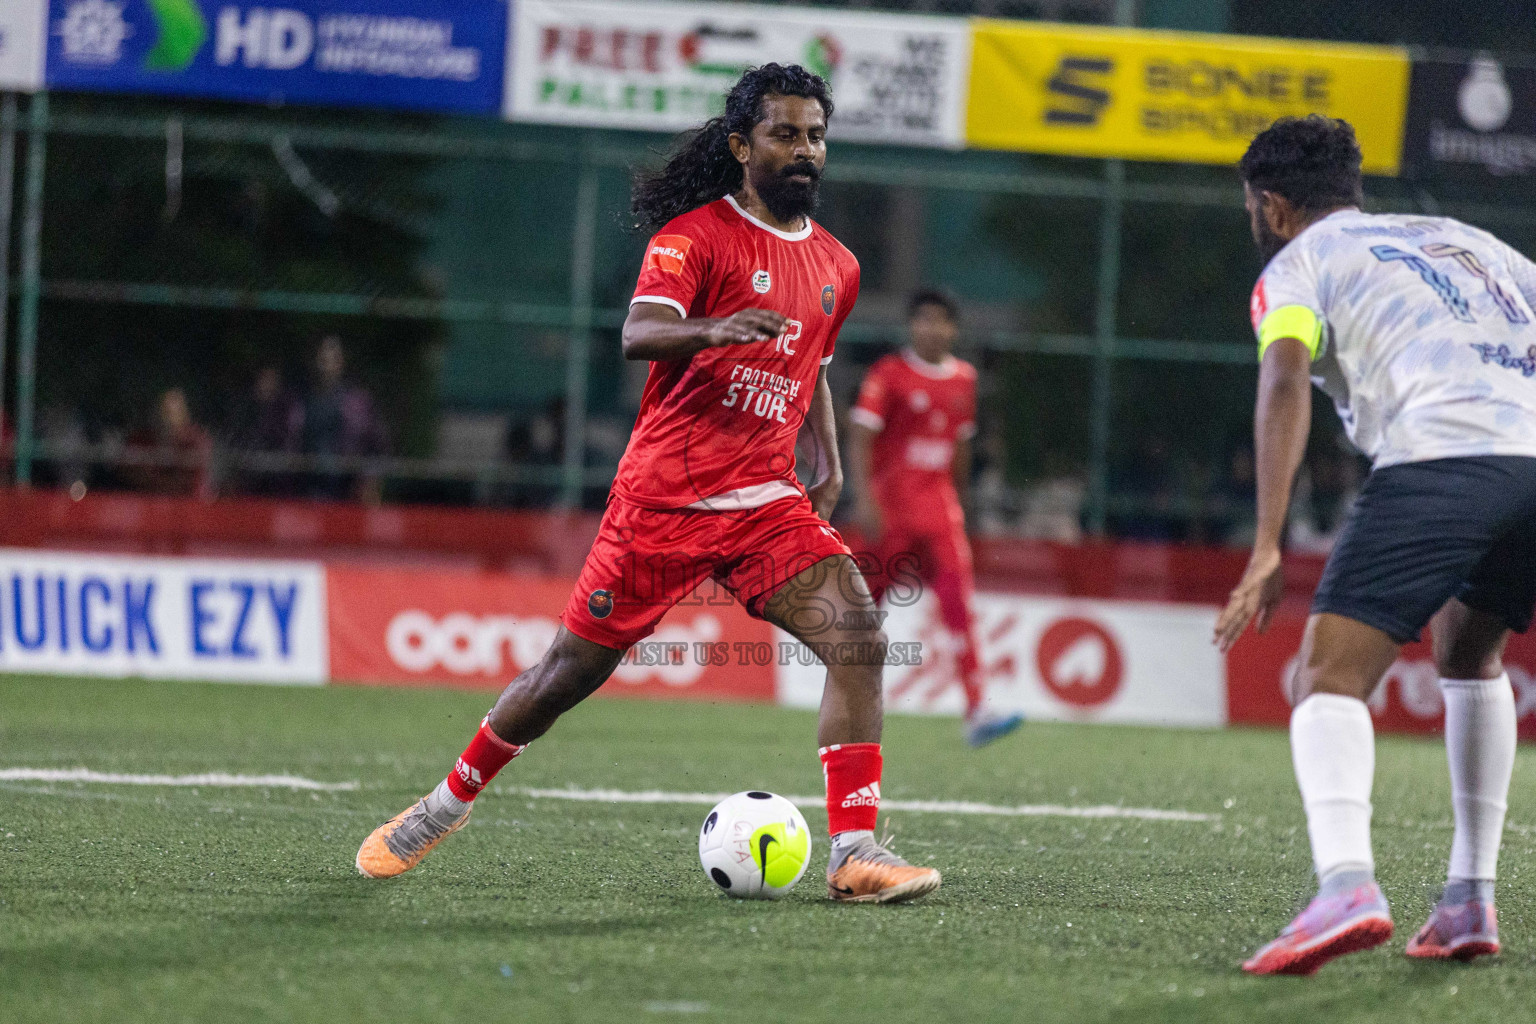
(1421,330)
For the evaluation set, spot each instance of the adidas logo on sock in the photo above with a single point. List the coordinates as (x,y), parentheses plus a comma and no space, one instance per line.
(864,796)
(470,774)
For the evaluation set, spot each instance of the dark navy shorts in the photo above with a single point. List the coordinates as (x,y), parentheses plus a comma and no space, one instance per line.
(1422,533)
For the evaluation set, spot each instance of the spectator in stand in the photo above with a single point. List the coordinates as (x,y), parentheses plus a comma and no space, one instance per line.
(1326,489)
(338,420)
(537,443)
(1053,505)
(170,455)
(1146,487)
(1235,511)
(266,422)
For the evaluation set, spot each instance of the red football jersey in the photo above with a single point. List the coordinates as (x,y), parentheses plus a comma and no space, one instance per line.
(718,430)
(919,410)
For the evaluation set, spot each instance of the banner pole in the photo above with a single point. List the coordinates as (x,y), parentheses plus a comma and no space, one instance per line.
(1105,309)
(7,197)
(578,355)
(1101,407)
(31,287)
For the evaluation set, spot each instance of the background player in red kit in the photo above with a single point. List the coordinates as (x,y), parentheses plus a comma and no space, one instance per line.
(737,309)
(912,429)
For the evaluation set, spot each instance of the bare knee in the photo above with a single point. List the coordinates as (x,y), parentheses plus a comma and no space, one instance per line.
(568,673)
(1340,655)
(561,680)
(856,659)
(1469,644)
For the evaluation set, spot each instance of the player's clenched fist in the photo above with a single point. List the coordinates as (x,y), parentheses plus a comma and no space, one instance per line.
(745,327)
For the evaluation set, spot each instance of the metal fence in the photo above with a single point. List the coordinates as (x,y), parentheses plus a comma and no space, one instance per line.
(1111,293)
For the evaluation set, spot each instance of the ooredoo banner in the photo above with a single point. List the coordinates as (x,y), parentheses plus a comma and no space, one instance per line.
(164,618)
(425,627)
(1174,96)
(21,44)
(1053,660)
(1408,700)
(443,55)
(668,66)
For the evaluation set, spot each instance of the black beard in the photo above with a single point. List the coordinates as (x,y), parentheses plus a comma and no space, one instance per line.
(1268,242)
(788,200)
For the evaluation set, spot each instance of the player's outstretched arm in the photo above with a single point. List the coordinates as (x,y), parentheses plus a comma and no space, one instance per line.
(1282,419)
(657,333)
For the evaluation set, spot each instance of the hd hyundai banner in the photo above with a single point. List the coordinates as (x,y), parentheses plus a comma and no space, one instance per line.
(668,66)
(21,44)
(442,55)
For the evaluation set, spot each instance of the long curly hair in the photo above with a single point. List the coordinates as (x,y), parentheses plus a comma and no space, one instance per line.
(703,169)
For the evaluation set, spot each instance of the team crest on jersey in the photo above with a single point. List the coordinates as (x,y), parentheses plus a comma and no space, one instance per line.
(761,282)
(828,300)
(600,604)
(668,253)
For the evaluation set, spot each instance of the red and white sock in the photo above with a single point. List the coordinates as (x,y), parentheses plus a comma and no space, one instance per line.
(852,771)
(486,755)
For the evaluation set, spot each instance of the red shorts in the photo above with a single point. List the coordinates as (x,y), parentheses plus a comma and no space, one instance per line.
(645,561)
(908,554)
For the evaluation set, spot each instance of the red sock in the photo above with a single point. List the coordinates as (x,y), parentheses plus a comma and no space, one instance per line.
(853,786)
(486,755)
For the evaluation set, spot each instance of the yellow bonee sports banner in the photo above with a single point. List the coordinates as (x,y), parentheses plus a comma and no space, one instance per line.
(1174,96)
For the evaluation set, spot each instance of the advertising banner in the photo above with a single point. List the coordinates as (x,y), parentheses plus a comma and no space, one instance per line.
(162,618)
(1408,700)
(667,66)
(443,55)
(423,627)
(1053,659)
(1475,116)
(1170,95)
(21,45)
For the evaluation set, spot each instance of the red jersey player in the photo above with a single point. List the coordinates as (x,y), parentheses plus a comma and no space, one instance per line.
(737,308)
(912,430)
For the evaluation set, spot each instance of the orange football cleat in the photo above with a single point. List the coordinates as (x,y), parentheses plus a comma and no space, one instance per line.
(872,874)
(401,842)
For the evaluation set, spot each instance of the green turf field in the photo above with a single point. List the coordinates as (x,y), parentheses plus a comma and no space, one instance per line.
(129,903)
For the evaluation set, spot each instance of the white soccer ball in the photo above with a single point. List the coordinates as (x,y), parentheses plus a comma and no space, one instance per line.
(755,845)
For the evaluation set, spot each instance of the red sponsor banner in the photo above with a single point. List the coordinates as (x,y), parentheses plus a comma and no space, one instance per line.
(413,627)
(1408,699)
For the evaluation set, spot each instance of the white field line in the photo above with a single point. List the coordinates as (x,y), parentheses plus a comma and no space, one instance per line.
(657,796)
(223,780)
(213,780)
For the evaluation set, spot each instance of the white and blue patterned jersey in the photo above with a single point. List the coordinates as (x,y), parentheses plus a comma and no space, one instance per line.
(1421,330)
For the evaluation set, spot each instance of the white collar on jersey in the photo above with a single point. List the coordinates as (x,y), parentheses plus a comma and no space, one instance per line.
(788,236)
(941,371)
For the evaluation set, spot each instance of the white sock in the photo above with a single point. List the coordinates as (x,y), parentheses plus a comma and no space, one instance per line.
(443,804)
(1334,751)
(1480,746)
(852,837)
